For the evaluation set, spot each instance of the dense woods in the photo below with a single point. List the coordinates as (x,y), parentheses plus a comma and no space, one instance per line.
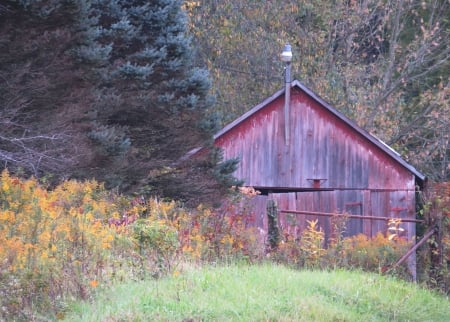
(120,90)
(106,90)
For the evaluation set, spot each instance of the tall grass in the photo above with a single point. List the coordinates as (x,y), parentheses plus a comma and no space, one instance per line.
(265,293)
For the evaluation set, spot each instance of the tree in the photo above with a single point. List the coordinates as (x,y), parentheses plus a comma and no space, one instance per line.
(384,64)
(106,90)
(150,91)
(36,88)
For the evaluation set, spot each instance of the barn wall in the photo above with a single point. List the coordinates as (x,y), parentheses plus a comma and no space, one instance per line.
(366,203)
(321,148)
(327,166)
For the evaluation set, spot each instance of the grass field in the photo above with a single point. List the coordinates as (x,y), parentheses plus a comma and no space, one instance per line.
(264,293)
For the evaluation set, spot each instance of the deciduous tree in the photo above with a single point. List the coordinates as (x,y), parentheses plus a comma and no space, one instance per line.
(384,64)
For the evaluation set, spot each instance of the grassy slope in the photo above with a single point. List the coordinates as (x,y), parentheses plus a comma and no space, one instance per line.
(265,293)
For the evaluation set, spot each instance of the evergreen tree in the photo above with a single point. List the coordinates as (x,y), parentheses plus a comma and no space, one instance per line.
(105,89)
(42,88)
(151,98)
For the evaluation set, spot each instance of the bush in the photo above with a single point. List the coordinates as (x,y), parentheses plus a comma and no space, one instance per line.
(206,234)
(55,245)
(157,243)
(39,242)
(435,254)
(375,254)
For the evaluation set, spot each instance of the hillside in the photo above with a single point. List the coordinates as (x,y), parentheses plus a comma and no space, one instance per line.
(264,293)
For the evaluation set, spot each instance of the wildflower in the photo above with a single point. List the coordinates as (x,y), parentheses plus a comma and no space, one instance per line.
(93,283)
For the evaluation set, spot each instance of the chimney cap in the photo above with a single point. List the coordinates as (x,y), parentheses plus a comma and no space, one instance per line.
(286,55)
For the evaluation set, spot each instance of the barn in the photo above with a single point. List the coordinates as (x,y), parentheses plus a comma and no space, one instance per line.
(314,162)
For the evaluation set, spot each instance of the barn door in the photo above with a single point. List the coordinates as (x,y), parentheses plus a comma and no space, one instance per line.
(393,204)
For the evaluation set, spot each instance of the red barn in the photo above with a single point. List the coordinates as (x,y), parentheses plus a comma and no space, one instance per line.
(314,161)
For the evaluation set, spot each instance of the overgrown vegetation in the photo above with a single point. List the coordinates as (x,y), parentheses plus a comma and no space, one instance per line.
(375,254)
(434,258)
(61,245)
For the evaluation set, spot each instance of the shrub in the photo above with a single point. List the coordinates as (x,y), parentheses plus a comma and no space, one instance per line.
(210,234)
(435,254)
(375,254)
(54,245)
(61,244)
(312,244)
(157,243)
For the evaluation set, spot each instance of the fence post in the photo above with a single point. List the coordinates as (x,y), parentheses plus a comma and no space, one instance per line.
(273,230)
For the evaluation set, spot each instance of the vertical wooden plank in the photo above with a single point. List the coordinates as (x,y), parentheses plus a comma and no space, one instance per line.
(258,206)
(380,207)
(367,211)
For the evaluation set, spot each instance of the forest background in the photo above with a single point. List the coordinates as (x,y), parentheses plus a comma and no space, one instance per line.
(121,90)
(385,64)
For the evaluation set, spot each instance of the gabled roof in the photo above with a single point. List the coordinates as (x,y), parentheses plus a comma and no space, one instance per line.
(380,144)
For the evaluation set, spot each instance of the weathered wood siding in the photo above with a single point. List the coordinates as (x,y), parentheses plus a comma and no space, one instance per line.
(321,148)
(389,204)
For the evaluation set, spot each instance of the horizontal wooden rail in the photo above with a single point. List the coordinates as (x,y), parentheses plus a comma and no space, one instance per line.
(328,214)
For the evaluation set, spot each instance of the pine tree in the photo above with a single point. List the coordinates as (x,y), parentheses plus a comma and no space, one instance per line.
(151,98)
(42,87)
(111,92)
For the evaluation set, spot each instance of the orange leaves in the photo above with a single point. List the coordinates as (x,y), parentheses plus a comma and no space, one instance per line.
(373,253)
(36,224)
(62,236)
(6,216)
(394,229)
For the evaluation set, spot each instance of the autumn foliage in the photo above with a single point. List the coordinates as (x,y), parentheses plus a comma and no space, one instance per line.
(376,254)
(62,244)
(53,244)
(435,255)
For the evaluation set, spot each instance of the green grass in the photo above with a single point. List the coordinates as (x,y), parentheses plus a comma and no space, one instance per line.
(265,293)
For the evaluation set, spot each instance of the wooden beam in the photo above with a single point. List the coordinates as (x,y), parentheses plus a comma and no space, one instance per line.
(425,237)
(328,214)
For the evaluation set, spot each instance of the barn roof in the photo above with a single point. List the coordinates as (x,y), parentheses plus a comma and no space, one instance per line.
(380,144)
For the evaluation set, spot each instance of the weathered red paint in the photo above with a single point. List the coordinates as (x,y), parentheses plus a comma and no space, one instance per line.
(329,165)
